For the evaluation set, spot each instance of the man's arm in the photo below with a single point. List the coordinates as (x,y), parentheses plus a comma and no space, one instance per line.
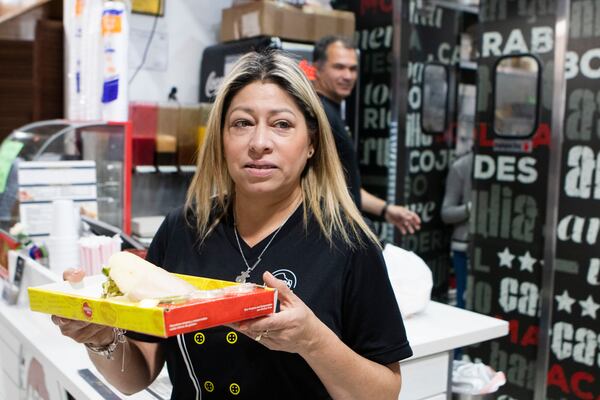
(402,218)
(454,209)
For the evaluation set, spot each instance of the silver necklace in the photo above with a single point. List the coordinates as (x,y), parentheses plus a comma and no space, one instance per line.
(241,278)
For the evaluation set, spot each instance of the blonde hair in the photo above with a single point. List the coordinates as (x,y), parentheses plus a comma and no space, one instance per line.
(324,189)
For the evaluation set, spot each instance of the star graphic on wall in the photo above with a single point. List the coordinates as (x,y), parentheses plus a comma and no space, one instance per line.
(527,262)
(506,258)
(564,301)
(589,307)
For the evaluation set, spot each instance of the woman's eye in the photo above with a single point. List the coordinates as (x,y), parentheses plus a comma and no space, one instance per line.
(282,125)
(241,123)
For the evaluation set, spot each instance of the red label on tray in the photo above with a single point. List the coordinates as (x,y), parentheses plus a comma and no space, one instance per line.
(87,310)
(194,315)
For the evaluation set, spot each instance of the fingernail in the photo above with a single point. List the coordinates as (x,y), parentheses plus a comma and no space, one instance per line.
(73,275)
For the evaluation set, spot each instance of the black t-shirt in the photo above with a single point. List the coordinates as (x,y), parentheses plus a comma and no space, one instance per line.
(345,147)
(347,289)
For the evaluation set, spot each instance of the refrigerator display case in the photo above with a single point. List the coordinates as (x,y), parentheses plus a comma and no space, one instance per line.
(107,144)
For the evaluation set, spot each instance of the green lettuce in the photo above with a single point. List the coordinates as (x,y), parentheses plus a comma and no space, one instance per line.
(109,288)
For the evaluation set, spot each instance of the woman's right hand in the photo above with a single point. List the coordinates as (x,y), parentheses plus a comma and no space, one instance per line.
(84,332)
(80,331)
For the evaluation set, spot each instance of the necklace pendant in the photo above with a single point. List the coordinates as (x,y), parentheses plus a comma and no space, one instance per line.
(241,278)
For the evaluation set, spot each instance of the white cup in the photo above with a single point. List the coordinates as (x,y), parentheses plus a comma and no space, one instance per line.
(63,253)
(64,221)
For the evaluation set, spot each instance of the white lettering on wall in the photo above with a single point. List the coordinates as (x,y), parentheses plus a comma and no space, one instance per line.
(506,168)
(541,41)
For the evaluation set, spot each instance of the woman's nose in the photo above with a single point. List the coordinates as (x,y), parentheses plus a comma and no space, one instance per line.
(260,141)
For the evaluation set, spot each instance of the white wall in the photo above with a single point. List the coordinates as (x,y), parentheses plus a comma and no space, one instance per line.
(187,27)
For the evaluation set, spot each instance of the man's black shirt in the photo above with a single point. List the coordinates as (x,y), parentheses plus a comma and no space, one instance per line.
(345,147)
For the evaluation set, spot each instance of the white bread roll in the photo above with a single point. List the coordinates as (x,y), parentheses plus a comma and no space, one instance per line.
(138,279)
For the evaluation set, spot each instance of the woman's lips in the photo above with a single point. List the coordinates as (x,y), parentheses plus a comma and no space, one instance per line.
(260,170)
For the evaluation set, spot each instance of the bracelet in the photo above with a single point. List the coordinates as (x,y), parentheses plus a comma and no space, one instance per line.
(384,210)
(107,350)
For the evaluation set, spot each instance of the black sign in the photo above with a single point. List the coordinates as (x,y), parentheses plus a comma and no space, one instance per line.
(509,189)
(575,330)
(374,40)
(429,38)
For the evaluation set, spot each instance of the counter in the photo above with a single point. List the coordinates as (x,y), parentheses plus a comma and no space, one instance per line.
(433,335)
(34,356)
(31,344)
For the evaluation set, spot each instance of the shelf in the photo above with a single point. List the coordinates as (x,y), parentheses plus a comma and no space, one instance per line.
(190,169)
(453,5)
(167,169)
(164,169)
(12,9)
(145,169)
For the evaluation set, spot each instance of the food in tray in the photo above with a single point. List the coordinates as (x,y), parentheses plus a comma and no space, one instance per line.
(147,299)
(132,278)
(138,280)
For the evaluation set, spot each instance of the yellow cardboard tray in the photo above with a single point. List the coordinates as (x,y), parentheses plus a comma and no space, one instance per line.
(85,304)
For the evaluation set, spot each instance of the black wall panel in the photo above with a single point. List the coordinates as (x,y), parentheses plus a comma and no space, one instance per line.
(575,329)
(509,194)
(429,36)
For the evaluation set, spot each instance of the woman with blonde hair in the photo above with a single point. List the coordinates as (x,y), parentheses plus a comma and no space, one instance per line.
(269,204)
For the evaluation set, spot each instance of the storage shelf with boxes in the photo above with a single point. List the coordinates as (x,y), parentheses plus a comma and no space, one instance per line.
(269,18)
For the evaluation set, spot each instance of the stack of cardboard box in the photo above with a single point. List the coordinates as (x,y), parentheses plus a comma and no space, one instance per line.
(273,18)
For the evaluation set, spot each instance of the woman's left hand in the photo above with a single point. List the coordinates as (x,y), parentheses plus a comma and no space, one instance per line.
(295,328)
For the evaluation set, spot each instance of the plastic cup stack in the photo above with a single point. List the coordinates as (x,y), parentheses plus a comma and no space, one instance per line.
(63,249)
(94,252)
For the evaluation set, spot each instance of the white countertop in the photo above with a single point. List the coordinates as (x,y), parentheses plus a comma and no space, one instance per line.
(439,328)
(37,332)
(442,327)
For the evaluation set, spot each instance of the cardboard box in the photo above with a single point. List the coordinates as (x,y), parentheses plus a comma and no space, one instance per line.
(205,109)
(187,134)
(86,304)
(288,22)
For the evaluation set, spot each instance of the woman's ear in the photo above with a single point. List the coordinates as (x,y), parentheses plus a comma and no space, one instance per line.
(311,151)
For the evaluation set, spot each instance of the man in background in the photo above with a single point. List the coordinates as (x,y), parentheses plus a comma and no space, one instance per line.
(336,65)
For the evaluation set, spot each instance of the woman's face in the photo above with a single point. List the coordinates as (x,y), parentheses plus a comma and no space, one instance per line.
(266,141)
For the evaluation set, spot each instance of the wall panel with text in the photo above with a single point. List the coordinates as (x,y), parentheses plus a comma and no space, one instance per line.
(514,112)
